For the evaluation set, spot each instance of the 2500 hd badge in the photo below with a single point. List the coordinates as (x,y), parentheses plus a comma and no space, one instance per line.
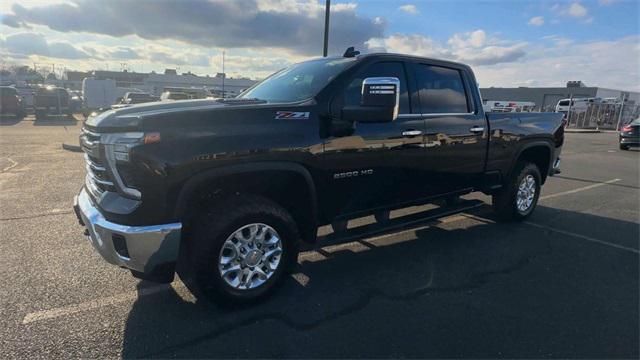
(355,173)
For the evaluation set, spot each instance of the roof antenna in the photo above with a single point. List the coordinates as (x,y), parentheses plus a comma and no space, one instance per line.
(351,52)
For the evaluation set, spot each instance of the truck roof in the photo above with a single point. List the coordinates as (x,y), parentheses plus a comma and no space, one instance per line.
(398,56)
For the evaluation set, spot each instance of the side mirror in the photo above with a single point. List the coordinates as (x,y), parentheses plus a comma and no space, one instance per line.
(380,99)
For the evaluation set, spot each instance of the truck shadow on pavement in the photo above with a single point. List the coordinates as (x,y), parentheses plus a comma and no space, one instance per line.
(465,288)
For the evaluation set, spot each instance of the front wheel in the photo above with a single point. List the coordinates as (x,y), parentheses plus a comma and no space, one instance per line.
(517,200)
(241,248)
(624,147)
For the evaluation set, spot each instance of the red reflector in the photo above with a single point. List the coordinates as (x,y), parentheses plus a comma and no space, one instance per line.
(151,138)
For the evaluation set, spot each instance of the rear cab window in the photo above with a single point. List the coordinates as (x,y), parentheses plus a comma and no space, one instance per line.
(442,90)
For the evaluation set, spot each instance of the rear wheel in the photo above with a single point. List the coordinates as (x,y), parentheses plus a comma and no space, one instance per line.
(517,200)
(241,248)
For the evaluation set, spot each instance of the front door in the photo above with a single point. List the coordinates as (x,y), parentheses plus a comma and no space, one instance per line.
(378,165)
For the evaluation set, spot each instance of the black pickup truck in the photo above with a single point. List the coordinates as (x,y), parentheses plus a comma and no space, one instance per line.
(230,188)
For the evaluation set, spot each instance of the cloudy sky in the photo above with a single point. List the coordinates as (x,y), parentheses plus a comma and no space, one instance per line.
(509,43)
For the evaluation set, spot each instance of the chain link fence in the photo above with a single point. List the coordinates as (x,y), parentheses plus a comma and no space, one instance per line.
(603,116)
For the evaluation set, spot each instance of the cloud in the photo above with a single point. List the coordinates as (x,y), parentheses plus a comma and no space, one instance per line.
(577,10)
(169,58)
(123,53)
(606,2)
(473,47)
(290,25)
(26,44)
(536,21)
(568,60)
(409,9)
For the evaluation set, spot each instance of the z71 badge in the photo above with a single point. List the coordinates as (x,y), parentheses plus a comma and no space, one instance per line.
(294,115)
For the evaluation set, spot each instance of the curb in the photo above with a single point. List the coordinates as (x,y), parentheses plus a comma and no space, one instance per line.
(73,148)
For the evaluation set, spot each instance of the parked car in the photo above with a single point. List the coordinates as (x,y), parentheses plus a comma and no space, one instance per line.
(183,93)
(131,98)
(11,102)
(630,135)
(237,185)
(175,95)
(53,100)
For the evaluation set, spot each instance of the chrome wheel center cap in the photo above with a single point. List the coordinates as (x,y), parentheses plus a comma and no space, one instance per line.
(253,257)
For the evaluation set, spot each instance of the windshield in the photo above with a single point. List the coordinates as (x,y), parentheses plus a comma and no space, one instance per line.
(298,82)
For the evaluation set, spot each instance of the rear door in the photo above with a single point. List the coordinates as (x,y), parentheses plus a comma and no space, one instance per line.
(456,130)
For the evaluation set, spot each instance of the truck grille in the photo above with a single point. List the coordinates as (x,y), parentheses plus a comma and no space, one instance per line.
(98,179)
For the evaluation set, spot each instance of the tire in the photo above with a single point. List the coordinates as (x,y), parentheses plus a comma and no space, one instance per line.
(21,114)
(212,241)
(624,147)
(505,203)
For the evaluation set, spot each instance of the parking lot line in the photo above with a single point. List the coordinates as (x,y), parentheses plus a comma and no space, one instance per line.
(589,187)
(96,303)
(583,237)
(13,164)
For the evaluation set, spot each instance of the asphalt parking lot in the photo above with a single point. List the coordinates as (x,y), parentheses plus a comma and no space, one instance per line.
(563,284)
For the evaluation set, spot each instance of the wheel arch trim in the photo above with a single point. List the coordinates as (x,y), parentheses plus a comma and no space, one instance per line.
(529,145)
(190,188)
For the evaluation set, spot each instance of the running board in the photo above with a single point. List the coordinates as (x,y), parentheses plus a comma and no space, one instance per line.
(397,224)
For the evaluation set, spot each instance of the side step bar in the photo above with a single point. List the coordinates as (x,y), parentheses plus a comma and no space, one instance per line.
(397,224)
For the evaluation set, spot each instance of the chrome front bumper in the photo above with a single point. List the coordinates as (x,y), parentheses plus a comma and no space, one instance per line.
(149,251)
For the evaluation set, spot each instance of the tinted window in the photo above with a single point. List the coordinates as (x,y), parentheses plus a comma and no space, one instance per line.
(352,94)
(564,103)
(441,90)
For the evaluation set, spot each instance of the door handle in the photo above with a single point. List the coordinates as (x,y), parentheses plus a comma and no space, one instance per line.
(477,129)
(411,133)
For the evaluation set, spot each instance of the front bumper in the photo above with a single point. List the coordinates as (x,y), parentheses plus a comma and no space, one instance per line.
(150,252)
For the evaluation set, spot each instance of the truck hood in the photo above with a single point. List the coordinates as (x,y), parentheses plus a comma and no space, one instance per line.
(130,118)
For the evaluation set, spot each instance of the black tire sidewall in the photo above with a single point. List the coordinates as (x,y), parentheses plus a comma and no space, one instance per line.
(209,241)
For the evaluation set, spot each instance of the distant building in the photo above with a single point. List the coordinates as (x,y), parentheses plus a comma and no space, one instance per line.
(155,83)
(546,98)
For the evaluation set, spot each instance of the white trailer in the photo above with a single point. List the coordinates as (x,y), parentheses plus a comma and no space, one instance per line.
(99,93)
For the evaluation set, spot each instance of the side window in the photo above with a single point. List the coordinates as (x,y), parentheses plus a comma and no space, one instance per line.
(441,90)
(391,69)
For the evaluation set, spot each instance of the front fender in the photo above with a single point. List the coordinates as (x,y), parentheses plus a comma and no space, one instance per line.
(196,182)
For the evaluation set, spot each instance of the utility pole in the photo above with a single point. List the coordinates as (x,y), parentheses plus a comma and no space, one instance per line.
(223,75)
(327,11)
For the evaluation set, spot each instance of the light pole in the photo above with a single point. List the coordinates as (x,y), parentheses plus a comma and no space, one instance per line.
(223,75)
(327,11)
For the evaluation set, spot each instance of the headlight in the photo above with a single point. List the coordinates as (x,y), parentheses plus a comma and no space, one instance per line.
(117,150)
